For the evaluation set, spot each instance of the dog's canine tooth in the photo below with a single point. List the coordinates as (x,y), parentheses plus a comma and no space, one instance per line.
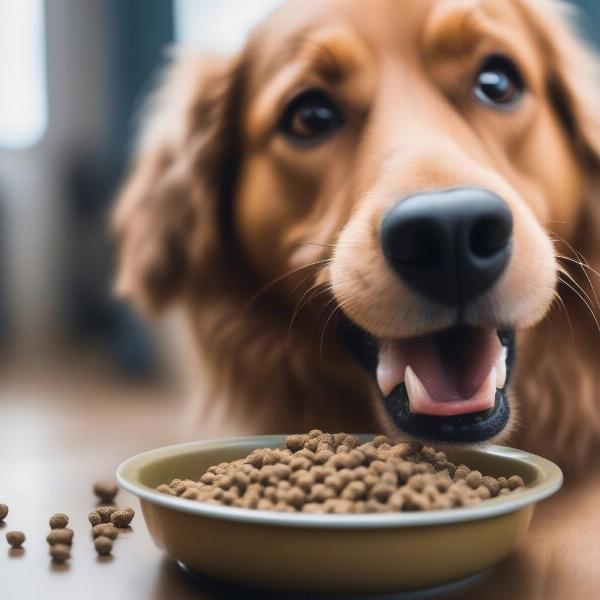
(390,371)
(415,389)
(501,369)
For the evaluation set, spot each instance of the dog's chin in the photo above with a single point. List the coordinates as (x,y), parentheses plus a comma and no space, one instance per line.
(476,427)
(449,387)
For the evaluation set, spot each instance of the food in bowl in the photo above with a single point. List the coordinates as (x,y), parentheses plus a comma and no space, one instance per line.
(334,473)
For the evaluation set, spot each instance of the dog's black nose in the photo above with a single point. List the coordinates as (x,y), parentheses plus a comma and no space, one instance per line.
(450,245)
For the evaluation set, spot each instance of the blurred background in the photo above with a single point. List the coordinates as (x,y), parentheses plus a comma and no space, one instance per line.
(73,74)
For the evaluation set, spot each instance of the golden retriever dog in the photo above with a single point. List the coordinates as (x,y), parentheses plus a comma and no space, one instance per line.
(382,216)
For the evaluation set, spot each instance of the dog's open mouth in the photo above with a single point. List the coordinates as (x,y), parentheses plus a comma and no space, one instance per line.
(447,386)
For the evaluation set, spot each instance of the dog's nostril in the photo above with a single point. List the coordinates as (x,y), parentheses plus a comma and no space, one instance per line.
(490,234)
(449,245)
(427,249)
(416,247)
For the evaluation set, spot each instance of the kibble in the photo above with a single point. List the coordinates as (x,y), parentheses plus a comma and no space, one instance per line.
(105,490)
(3,512)
(105,512)
(323,473)
(15,538)
(95,519)
(105,529)
(103,545)
(474,479)
(60,552)
(122,518)
(59,521)
(514,482)
(62,536)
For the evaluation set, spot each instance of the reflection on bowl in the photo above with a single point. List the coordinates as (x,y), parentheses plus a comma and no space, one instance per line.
(342,554)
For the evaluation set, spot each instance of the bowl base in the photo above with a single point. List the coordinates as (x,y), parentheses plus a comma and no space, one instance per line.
(230,591)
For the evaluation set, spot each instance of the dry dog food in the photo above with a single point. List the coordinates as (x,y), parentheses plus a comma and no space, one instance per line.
(15,538)
(3,512)
(101,515)
(122,518)
(59,521)
(60,536)
(105,490)
(60,552)
(94,518)
(106,530)
(334,473)
(103,545)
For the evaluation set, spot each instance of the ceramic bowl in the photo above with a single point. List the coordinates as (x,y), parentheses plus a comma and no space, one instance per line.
(333,554)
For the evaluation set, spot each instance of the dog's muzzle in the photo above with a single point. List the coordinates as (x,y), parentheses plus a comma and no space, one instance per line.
(449,246)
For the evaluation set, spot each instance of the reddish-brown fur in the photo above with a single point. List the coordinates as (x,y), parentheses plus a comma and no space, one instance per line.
(261,243)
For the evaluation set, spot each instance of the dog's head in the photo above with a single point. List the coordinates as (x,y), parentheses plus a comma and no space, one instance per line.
(408,158)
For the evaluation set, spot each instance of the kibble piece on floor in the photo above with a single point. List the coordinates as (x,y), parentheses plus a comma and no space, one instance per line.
(122,518)
(60,536)
(105,512)
(15,538)
(103,545)
(59,521)
(94,518)
(105,490)
(60,552)
(106,529)
(3,511)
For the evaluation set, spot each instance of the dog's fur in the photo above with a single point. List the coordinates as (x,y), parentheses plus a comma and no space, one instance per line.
(261,242)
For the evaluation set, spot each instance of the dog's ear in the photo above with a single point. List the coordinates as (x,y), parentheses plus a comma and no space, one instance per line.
(165,219)
(573,76)
(557,372)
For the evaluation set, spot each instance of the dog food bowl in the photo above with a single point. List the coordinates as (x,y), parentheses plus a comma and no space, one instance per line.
(333,554)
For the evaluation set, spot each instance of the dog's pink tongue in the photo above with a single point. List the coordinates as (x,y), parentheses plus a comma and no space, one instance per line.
(452,365)
(448,373)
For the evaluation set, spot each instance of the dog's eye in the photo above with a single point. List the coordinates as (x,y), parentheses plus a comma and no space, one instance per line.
(498,83)
(310,117)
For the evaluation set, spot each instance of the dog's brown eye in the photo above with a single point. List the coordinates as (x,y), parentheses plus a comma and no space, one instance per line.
(499,83)
(311,117)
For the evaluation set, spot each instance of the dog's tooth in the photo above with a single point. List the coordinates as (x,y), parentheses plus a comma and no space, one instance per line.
(390,369)
(387,378)
(490,388)
(501,369)
(417,393)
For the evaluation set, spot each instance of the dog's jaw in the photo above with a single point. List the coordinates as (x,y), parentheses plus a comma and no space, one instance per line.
(473,427)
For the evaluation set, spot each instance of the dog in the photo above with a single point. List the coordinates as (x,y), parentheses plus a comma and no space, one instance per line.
(382,217)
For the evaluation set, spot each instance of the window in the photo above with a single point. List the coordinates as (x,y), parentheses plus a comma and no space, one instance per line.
(23,104)
(220,25)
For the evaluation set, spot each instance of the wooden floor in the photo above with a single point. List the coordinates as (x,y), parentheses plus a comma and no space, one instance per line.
(64,426)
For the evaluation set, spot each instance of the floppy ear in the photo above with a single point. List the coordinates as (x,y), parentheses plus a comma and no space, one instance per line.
(166,215)
(557,374)
(573,80)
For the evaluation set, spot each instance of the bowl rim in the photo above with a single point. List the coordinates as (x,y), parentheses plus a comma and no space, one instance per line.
(128,471)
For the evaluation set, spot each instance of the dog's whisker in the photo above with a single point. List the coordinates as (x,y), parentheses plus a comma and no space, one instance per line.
(316,244)
(561,303)
(583,267)
(302,284)
(581,261)
(574,290)
(338,307)
(322,340)
(308,295)
(577,285)
(305,299)
(279,279)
